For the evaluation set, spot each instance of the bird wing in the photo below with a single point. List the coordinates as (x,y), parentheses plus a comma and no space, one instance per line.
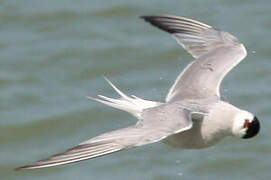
(152,129)
(216,53)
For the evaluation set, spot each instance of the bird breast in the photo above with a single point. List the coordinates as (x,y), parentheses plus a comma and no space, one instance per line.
(206,131)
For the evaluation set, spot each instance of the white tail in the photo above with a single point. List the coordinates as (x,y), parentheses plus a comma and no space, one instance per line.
(133,104)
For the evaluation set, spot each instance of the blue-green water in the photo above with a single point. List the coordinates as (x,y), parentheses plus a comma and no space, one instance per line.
(54,53)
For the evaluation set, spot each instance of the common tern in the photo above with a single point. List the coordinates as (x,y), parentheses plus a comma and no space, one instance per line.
(193,115)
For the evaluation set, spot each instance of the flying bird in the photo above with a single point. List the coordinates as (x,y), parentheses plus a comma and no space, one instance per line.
(193,115)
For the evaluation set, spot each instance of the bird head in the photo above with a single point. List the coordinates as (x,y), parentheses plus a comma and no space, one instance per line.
(245,125)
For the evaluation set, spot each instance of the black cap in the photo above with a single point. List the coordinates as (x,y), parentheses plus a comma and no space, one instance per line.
(253,128)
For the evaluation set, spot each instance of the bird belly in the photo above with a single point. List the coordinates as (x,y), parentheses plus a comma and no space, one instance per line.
(197,137)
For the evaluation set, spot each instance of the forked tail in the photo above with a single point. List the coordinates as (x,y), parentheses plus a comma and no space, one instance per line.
(133,104)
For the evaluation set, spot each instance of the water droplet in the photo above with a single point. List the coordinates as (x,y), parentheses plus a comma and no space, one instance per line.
(178,161)
(180,174)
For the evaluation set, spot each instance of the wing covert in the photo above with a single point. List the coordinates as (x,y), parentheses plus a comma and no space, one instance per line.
(216,53)
(144,132)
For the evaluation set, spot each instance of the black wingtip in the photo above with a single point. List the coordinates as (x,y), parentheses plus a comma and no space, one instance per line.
(146,18)
(156,21)
(26,167)
(21,168)
(149,17)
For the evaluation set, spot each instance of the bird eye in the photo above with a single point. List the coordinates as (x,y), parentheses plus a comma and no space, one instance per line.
(246,123)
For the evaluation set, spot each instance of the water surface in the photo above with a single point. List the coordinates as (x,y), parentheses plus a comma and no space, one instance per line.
(54,53)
